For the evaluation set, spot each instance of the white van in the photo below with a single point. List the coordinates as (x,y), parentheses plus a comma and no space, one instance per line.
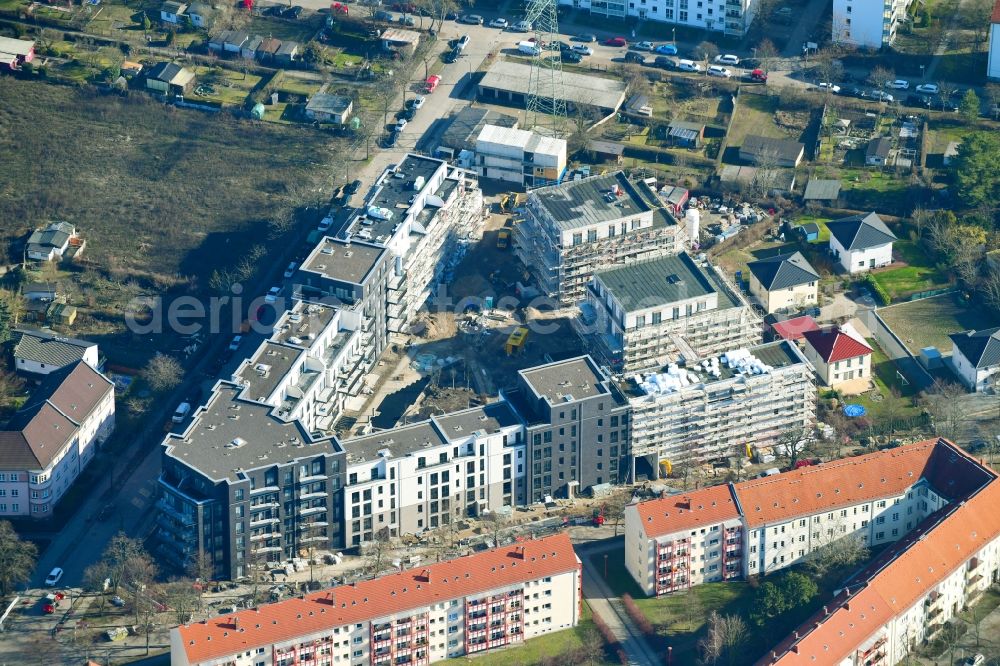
(528,48)
(182,411)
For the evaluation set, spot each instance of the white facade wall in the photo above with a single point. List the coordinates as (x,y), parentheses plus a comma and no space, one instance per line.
(859,261)
(993,64)
(860,23)
(710,15)
(791,298)
(976,379)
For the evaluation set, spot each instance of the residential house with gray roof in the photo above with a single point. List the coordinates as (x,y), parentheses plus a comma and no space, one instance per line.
(861,242)
(50,440)
(785,282)
(40,352)
(975,357)
(51,242)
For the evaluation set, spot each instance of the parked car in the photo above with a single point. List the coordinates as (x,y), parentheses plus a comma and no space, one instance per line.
(583,50)
(471,19)
(54,577)
(975,660)
(390,139)
(432,83)
(727,59)
(585,38)
(382,15)
(181,412)
(522,26)
(462,42)
(666,49)
(272,294)
(400,125)
(882,96)
(758,76)
(352,187)
(832,87)
(235,344)
(928,89)
(408,21)
(664,62)
(407,114)
(571,57)
(292,12)
(499,23)
(117,601)
(615,41)
(451,16)
(415,102)
(898,84)
(919,100)
(720,71)
(688,66)
(633,56)
(643,46)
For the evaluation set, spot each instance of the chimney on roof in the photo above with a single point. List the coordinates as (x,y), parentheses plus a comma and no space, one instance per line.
(519,552)
(826,611)
(329,598)
(796,635)
(236,621)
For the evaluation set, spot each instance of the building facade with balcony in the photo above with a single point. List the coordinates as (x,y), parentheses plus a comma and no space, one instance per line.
(929,505)
(648,313)
(472,604)
(518,156)
(426,475)
(865,24)
(712,410)
(731,17)
(573,229)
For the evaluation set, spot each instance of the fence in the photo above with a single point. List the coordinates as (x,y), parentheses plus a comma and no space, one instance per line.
(897,352)
(931,292)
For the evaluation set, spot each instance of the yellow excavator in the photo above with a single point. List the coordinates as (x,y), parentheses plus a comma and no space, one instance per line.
(512,200)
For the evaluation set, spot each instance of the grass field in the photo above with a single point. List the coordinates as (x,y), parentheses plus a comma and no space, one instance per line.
(886,378)
(918,275)
(824,232)
(928,322)
(755,115)
(155,190)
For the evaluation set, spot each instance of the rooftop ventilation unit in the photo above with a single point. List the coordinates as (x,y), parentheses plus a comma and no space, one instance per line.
(673,278)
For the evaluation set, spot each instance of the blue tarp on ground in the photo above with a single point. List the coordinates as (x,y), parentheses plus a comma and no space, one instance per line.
(854,410)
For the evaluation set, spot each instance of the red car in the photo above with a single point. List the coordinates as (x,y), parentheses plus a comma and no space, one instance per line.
(339,8)
(615,41)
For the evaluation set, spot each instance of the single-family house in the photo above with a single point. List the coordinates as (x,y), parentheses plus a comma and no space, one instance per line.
(820,189)
(861,242)
(287,53)
(172,12)
(228,41)
(878,151)
(975,356)
(785,282)
(250,46)
(327,108)
(268,49)
(39,352)
(50,242)
(763,150)
(16,52)
(397,39)
(840,356)
(201,15)
(40,291)
(170,79)
(684,134)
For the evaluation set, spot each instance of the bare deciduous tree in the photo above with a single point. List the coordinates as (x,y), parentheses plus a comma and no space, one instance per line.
(162,373)
(724,639)
(880,76)
(946,402)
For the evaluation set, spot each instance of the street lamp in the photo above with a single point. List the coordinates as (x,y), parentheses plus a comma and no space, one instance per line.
(921,72)
(674,33)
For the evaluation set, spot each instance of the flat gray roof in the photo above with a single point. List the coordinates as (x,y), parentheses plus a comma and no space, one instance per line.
(395,194)
(339,260)
(580,89)
(581,203)
(576,377)
(262,373)
(822,190)
(653,282)
(260,439)
(399,441)
(489,418)
(466,125)
(304,320)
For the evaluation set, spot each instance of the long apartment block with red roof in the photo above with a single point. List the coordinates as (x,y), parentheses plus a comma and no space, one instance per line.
(467,605)
(929,502)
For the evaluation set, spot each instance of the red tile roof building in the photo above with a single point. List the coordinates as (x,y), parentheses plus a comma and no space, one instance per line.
(933,505)
(839,355)
(417,616)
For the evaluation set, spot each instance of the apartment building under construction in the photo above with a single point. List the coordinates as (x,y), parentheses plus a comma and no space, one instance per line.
(573,229)
(716,408)
(655,311)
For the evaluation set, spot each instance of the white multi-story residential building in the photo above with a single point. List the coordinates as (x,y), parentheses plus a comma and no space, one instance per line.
(426,475)
(577,227)
(975,356)
(715,409)
(869,24)
(653,311)
(519,156)
(422,211)
(861,242)
(732,17)
(931,506)
(468,605)
(52,438)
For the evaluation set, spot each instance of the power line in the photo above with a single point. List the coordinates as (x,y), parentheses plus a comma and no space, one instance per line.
(546,98)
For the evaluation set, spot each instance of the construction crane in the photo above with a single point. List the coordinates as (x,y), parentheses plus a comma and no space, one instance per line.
(546,98)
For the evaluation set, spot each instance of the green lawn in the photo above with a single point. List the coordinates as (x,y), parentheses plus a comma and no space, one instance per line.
(928,321)
(918,275)
(301,31)
(755,115)
(536,649)
(824,232)
(884,373)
